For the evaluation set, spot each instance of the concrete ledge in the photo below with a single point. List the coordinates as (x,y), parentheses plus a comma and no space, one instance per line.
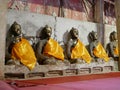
(44,71)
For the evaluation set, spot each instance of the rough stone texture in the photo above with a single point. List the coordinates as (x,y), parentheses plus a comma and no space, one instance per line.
(3,10)
(117,7)
(44,71)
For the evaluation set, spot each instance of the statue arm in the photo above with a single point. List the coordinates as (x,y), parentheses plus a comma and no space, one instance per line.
(10,48)
(112,51)
(91,50)
(69,45)
(39,50)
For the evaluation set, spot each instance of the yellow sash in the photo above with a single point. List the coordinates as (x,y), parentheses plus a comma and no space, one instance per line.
(100,52)
(79,51)
(116,51)
(52,48)
(24,52)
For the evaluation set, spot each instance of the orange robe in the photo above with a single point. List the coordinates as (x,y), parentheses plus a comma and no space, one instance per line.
(52,48)
(116,51)
(79,51)
(24,52)
(100,52)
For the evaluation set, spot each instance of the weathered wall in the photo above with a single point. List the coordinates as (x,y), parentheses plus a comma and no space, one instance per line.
(3,10)
(117,11)
(32,23)
(75,9)
(109,12)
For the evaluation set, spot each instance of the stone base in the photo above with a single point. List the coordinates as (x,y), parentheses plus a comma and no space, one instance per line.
(44,71)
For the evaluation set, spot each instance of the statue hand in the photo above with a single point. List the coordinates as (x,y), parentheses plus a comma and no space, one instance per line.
(46,57)
(69,56)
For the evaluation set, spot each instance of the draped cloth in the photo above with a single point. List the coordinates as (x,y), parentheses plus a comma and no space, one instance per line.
(79,51)
(24,52)
(116,51)
(52,48)
(100,52)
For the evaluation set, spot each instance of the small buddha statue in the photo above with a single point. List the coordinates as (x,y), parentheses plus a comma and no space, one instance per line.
(48,51)
(20,48)
(112,47)
(76,51)
(97,51)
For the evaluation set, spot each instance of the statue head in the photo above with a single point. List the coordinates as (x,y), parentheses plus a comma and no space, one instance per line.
(16,29)
(113,36)
(93,35)
(74,33)
(46,32)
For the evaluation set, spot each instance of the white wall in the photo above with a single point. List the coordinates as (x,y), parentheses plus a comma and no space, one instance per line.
(64,25)
(32,23)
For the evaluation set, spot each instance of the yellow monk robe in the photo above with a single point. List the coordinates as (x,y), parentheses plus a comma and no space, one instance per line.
(116,51)
(100,52)
(52,48)
(79,51)
(24,52)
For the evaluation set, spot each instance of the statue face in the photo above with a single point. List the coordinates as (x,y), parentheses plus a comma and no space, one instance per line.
(17,30)
(95,37)
(48,31)
(115,36)
(74,33)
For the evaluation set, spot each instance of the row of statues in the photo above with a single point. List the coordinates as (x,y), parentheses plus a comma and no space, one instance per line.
(48,51)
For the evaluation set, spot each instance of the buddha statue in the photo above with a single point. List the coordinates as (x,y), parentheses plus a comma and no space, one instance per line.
(76,51)
(20,49)
(48,51)
(96,49)
(112,47)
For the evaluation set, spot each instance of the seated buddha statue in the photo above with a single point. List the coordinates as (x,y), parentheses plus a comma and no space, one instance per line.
(96,49)
(48,50)
(112,47)
(76,51)
(20,49)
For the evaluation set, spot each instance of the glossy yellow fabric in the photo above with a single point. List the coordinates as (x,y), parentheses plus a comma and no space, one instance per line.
(79,51)
(100,52)
(23,51)
(116,51)
(52,48)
